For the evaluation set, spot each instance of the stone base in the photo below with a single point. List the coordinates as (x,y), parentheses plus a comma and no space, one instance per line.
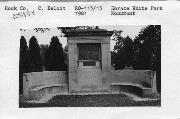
(97,92)
(63,90)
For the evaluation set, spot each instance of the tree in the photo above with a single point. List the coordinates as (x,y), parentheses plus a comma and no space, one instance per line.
(122,54)
(143,56)
(54,56)
(34,54)
(66,55)
(23,62)
(147,45)
(43,48)
(128,51)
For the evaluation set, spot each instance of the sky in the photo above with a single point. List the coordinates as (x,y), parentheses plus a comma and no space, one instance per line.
(44,38)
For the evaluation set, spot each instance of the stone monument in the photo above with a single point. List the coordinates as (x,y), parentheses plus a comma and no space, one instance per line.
(89,60)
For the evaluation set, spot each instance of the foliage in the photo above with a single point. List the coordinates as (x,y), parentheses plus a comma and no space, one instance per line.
(142,53)
(147,48)
(122,55)
(42,30)
(66,55)
(43,48)
(24,57)
(34,54)
(54,56)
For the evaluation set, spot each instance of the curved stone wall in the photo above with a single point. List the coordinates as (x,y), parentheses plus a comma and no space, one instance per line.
(136,77)
(36,81)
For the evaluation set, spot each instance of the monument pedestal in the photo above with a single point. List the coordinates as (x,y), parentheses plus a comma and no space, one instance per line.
(89,60)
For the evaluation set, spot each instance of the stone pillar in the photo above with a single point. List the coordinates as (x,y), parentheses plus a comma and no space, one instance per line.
(106,57)
(154,84)
(72,75)
(106,65)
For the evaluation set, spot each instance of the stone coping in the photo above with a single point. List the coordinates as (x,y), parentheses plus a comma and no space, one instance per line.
(46,72)
(48,86)
(130,84)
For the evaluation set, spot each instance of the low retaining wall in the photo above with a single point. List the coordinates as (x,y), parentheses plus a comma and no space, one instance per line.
(35,81)
(139,77)
(38,84)
(143,79)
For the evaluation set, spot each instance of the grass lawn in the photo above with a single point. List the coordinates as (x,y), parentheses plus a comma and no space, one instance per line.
(104,100)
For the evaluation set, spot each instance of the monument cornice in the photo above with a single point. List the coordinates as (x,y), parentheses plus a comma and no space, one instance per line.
(88,32)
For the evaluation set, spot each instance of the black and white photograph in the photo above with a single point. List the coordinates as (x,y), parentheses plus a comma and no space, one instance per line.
(90,66)
(89,59)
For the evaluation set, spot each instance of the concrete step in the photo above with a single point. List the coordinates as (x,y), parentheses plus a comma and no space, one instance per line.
(106,91)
